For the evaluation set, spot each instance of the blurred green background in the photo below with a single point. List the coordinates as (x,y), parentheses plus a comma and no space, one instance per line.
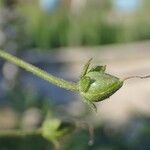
(58,36)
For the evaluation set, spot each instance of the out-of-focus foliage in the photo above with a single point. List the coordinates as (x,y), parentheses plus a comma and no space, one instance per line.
(46,30)
(96,23)
(136,135)
(38,143)
(64,28)
(12,29)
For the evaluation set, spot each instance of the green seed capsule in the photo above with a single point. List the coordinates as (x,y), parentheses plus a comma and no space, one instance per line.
(99,86)
(95,85)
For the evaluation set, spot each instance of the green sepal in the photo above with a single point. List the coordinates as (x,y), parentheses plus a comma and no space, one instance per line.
(85,68)
(85,84)
(98,69)
(90,104)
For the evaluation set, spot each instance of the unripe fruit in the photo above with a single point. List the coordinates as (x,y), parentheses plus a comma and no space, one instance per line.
(99,86)
(95,85)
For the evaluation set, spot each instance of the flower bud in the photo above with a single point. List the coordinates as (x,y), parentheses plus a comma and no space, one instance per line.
(95,85)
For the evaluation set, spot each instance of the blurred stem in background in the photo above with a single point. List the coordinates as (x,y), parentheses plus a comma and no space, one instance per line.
(52,129)
(19,133)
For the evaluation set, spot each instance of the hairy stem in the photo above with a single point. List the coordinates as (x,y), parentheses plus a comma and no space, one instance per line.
(39,72)
(19,133)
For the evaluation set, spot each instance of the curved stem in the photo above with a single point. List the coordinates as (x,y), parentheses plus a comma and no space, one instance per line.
(19,133)
(140,77)
(39,72)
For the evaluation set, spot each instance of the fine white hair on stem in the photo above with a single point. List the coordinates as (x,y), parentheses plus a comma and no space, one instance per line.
(140,77)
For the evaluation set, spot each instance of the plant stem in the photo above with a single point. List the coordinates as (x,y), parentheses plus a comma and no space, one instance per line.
(39,72)
(140,77)
(19,133)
